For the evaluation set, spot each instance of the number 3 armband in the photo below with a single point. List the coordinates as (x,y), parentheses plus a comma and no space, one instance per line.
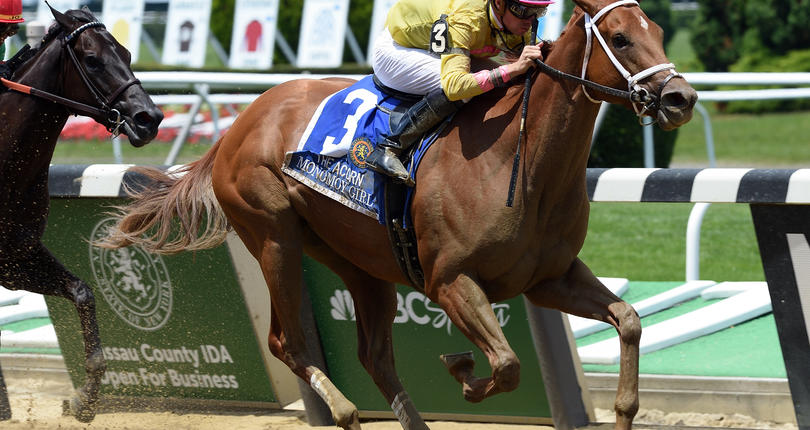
(439,36)
(440,39)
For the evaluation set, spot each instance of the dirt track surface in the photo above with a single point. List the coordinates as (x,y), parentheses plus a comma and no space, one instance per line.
(36,404)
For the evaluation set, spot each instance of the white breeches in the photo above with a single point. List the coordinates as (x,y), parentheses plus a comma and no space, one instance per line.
(410,70)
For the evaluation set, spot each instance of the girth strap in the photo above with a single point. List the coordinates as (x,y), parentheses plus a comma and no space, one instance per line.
(402,239)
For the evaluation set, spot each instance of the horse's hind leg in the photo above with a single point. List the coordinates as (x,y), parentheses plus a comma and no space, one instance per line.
(580,293)
(277,245)
(375,306)
(40,272)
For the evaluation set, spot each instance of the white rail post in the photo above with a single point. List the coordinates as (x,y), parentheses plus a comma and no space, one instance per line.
(693,241)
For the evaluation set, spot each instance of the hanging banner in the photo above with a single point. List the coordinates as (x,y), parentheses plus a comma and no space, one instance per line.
(186,32)
(44,14)
(124,20)
(378,16)
(254,34)
(323,31)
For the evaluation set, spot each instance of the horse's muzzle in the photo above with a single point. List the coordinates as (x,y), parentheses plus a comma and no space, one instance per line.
(677,100)
(142,127)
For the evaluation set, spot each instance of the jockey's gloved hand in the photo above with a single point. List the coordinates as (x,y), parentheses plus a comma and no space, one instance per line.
(8,67)
(5,71)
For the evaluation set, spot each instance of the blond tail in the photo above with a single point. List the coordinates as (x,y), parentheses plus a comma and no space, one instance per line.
(174,212)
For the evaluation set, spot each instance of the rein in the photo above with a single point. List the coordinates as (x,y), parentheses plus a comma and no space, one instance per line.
(112,117)
(545,68)
(526,92)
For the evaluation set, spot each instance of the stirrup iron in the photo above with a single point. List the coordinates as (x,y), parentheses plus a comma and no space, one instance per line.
(383,160)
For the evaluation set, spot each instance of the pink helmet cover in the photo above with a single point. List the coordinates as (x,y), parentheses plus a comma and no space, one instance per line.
(535,3)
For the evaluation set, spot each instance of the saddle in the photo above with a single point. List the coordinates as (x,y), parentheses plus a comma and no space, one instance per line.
(331,159)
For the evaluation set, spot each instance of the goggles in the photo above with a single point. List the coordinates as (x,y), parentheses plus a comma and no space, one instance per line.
(521,11)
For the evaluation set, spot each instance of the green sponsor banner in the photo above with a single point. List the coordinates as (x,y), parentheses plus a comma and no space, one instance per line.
(171,326)
(422,331)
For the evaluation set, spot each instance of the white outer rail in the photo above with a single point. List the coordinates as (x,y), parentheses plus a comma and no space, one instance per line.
(179,81)
(201,82)
(186,80)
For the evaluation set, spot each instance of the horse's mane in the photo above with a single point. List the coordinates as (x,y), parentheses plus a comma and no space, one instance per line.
(548,45)
(55,30)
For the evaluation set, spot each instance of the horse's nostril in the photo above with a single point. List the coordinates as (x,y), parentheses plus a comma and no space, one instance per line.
(674,99)
(145,119)
(679,99)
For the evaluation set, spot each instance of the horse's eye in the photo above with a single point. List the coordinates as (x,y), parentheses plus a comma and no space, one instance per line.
(94,64)
(619,41)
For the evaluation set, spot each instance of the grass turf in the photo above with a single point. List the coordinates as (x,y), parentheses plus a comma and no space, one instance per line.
(750,349)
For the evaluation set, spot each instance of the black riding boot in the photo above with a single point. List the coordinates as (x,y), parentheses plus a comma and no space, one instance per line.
(406,130)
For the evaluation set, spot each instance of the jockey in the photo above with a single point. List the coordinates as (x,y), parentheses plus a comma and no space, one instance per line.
(10,17)
(425,49)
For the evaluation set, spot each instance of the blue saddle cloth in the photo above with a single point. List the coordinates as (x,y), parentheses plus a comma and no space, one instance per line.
(331,154)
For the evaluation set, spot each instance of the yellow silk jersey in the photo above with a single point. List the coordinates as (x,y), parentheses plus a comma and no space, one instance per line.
(473,30)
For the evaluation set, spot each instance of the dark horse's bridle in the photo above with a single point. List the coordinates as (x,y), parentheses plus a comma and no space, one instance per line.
(111,117)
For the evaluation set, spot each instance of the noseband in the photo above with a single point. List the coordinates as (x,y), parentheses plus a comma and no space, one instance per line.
(640,98)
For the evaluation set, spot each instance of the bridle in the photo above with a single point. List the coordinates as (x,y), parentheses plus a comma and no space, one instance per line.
(113,115)
(641,99)
(112,120)
(638,95)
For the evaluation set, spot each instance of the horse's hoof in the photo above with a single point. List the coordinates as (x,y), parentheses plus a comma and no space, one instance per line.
(460,364)
(350,422)
(458,358)
(471,395)
(81,409)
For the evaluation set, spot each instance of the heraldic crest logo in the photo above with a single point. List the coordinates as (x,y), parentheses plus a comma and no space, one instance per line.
(359,151)
(134,282)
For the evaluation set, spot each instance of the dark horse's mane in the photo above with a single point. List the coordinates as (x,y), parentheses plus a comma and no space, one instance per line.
(54,31)
(83,15)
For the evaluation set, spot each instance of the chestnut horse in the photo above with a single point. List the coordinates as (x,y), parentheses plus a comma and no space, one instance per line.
(79,68)
(474,249)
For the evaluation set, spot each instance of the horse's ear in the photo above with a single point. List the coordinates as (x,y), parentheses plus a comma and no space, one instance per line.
(588,6)
(62,19)
(89,12)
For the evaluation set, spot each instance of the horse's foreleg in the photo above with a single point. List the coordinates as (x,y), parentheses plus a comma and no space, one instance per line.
(82,406)
(580,293)
(375,305)
(40,272)
(5,407)
(469,309)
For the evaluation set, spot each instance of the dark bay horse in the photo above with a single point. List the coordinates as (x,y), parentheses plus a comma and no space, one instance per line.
(80,65)
(473,248)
